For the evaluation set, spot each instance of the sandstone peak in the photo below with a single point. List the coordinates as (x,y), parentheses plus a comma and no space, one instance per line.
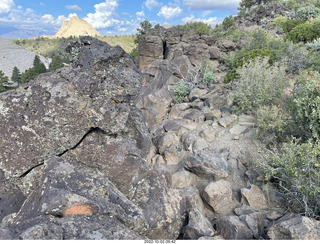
(76,27)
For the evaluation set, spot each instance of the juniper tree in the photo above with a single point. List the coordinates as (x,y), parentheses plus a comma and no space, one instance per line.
(16,75)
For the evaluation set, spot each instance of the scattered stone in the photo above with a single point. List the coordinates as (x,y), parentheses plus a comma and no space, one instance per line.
(277,199)
(11,199)
(209,238)
(194,115)
(177,110)
(274,215)
(232,228)
(252,224)
(216,114)
(6,234)
(208,134)
(252,175)
(226,121)
(219,196)
(183,178)
(198,226)
(243,210)
(243,118)
(197,93)
(43,232)
(158,160)
(216,101)
(255,197)
(238,129)
(206,164)
(248,125)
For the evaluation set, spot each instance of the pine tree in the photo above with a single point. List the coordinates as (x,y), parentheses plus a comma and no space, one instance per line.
(56,63)
(38,66)
(28,75)
(16,76)
(3,78)
(36,61)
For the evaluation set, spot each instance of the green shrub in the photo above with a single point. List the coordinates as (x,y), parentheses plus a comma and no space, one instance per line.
(305,105)
(209,78)
(314,59)
(260,84)
(181,92)
(296,58)
(259,39)
(314,44)
(290,24)
(250,55)
(200,27)
(306,13)
(279,21)
(273,125)
(296,167)
(304,33)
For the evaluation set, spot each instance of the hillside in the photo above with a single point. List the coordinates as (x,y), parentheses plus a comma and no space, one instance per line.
(214,137)
(12,55)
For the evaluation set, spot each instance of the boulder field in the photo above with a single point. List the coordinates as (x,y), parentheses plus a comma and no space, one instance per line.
(99,150)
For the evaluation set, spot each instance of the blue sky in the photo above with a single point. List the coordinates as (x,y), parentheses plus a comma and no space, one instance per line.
(109,17)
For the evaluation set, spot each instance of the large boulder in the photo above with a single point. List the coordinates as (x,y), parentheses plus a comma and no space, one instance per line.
(198,226)
(54,113)
(69,189)
(79,150)
(295,227)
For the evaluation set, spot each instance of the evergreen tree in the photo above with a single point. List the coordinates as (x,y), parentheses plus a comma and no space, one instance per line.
(16,76)
(144,26)
(3,78)
(28,75)
(56,63)
(36,61)
(41,69)
(38,66)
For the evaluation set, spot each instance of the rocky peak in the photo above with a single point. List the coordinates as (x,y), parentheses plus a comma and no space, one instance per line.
(76,27)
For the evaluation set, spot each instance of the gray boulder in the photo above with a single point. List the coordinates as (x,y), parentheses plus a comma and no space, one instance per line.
(232,228)
(198,226)
(295,227)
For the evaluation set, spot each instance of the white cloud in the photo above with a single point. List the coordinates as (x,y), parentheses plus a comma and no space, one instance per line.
(210,21)
(211,4)
(140,14)
(73,7)
(6,6)
(150,4)
(188,19)
(103,15)
(169,12)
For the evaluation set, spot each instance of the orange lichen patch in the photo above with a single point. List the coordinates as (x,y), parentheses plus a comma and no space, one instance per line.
(84,210)
(87,115)
(82,106)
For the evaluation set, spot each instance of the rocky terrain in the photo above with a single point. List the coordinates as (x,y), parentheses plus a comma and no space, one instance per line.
(76,27)
(12,55)
(100,150)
